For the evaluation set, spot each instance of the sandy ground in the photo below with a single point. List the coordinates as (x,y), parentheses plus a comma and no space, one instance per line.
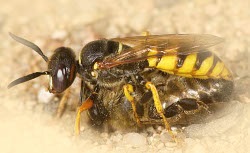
(28,121)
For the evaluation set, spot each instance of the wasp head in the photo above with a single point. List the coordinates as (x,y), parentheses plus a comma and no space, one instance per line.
(61,67)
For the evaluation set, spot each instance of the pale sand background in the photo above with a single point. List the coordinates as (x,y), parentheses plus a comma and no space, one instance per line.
(28,125)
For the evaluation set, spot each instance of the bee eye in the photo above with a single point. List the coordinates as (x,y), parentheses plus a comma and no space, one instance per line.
(63,70)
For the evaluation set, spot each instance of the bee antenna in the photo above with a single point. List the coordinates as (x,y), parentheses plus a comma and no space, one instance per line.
(30,45)
(27,78)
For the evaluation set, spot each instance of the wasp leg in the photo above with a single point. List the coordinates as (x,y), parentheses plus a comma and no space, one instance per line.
(87,104)
(159,108)
(62,104)
(128,88)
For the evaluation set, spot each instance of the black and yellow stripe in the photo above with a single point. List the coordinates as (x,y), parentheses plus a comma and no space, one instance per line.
(202,65)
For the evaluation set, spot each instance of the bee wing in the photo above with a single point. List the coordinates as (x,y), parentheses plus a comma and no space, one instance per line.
(144,47)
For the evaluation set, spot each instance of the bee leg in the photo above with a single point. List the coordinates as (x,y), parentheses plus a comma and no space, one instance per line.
(159,108)
(62,103)
(127,89)
(204,106)
(191,105)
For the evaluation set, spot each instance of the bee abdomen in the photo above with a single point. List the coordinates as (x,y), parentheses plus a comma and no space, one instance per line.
(202,65)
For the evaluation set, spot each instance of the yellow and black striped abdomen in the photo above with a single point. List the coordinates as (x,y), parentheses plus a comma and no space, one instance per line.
(201,65)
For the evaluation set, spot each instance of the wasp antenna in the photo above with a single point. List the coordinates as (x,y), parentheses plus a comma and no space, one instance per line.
(27,78)
(29,44)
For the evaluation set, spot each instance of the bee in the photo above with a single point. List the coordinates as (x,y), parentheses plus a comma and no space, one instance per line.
(142,80)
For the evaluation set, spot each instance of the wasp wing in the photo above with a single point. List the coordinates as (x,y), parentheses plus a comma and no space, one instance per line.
(181,40)
(144,47)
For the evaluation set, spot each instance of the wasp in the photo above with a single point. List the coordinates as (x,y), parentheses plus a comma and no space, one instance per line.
(134,81)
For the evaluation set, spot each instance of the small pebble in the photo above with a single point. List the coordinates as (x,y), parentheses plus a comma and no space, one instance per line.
(82,128)
(109,142)
(155,139)
(116,138)
(160,145)
(134,139)
(104,135)
(150,139)
(44,96)
(150,129)
(170,144)
(160,128)
(165,137)
(59,35)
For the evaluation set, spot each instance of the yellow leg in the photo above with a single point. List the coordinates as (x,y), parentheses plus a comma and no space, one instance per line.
(128,88)
(87,104)
(158,107)
(62,103)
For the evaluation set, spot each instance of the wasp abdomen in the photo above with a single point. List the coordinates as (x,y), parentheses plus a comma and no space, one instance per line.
(201,65)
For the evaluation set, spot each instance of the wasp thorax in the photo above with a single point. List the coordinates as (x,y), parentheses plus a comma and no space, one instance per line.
(62,67)
(92,52)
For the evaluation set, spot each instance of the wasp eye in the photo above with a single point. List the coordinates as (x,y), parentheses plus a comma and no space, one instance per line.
(63,70)
(61,79)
